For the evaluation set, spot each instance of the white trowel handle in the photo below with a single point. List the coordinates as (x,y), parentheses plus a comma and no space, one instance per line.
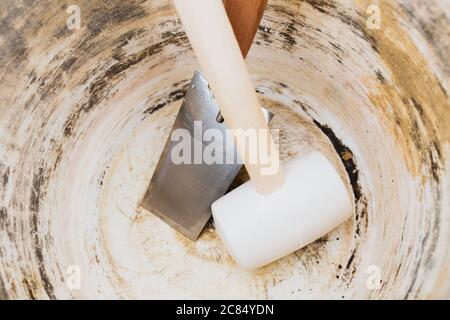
(220,58)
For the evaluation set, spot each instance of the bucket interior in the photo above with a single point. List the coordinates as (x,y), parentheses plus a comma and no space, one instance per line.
(85,115)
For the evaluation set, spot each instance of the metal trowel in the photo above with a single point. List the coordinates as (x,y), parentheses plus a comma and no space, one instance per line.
(182,194)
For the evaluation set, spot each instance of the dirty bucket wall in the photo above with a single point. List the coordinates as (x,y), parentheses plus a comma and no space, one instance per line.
(84,115)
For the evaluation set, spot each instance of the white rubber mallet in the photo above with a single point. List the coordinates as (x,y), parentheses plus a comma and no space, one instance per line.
(278,211)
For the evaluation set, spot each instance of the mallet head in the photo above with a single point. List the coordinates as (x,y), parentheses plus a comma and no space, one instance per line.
(258,229)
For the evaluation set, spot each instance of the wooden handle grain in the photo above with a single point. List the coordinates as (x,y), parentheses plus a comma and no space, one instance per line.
(245,16)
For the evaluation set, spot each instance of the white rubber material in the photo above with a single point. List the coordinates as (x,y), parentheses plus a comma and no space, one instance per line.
(259,229)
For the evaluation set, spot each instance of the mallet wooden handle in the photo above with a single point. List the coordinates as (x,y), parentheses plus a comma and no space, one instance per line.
(245,16)
(220,58)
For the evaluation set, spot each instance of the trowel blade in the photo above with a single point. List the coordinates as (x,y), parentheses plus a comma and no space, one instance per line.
(182,194)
